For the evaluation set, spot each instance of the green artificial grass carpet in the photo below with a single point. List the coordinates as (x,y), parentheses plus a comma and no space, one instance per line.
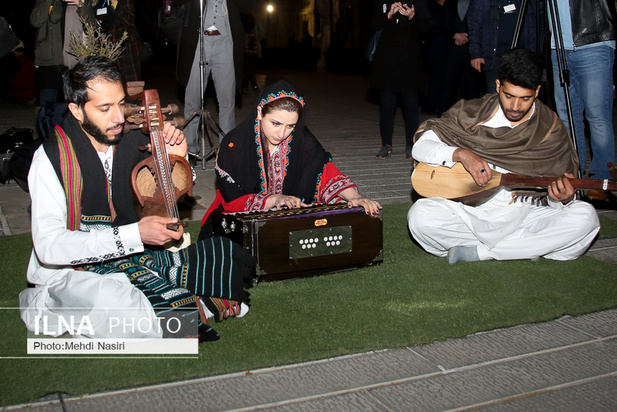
(412,298)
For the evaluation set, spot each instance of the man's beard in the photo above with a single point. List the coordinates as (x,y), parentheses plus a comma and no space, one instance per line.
(518,115)
(508,113)
(98,135)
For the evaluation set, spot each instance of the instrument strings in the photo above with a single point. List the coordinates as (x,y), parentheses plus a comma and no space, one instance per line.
(165,182)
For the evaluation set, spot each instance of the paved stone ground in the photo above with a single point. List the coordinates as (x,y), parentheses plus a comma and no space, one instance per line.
(563,365)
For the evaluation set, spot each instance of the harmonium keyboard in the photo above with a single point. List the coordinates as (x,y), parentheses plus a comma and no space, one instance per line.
(309,241)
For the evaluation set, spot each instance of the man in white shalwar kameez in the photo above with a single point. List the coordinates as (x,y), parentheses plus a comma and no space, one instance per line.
(509,131)
(96,268)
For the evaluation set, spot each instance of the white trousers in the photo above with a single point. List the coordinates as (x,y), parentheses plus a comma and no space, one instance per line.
(89,304)
(219,61)
(504,231)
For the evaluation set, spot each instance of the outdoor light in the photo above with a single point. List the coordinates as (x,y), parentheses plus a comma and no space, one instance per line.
(270,8)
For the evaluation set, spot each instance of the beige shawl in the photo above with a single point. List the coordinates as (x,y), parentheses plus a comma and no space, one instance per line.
(541,146)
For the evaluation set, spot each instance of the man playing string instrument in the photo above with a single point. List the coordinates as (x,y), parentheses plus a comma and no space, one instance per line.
(92,257)
(510,131)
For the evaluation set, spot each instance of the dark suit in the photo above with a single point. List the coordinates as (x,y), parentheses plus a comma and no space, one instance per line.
(189,39)
(223,55)
(460,80)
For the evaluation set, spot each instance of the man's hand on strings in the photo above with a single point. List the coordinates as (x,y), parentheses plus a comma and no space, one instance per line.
(561,189)
(477,167)
(153,230)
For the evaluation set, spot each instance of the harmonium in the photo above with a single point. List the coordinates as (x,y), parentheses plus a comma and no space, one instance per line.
(315,240)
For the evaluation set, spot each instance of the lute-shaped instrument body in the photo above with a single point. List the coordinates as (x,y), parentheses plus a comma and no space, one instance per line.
(161,179)
(456,183)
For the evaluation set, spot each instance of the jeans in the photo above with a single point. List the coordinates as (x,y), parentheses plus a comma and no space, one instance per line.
(591,92)
(387,111)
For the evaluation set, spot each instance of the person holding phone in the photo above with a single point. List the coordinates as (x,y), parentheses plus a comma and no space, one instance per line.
(397,69)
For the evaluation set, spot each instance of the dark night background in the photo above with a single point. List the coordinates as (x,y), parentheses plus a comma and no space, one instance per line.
(350,34)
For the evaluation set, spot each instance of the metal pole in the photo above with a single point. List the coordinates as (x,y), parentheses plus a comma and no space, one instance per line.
(202,64)
(519,24)
(564,73)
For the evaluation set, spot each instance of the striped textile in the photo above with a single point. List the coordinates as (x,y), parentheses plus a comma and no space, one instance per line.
(174,281)
(71,179)
(222,308)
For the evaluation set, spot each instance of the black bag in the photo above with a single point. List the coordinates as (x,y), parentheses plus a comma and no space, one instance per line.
(17,146)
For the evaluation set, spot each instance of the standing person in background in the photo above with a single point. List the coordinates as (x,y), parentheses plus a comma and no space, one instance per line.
(8,61)
(22,86)
(436,45)
(224,42)
(588,32)
(491,28)
(397,66)
(72,25)
(115,18)
(47,16)
(460,80)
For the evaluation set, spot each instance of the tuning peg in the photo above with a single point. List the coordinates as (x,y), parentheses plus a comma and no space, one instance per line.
(134,88)
(178,122)
(136,118)
(170,109)
(130,109)
(130,126)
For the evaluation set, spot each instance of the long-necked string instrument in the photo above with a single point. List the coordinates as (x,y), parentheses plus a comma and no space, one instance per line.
(456,183)
(161,179)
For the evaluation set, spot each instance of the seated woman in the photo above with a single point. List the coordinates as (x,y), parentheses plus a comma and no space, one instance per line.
(272,160)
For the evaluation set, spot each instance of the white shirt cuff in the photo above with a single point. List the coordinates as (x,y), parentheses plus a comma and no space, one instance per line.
(131,238)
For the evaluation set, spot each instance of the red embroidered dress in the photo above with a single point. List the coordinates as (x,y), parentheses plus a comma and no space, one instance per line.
(299,166)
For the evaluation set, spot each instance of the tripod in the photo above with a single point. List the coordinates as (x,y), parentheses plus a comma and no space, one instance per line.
(207,125)
(564,73)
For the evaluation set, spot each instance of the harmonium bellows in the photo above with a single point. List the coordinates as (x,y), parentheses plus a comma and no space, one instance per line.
(304,242)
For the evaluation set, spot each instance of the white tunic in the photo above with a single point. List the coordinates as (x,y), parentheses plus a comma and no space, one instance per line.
(500,228)
(110,304)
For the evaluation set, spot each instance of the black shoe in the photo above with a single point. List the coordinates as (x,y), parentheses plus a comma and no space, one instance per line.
(207,334)
(384,152)
(408,152)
